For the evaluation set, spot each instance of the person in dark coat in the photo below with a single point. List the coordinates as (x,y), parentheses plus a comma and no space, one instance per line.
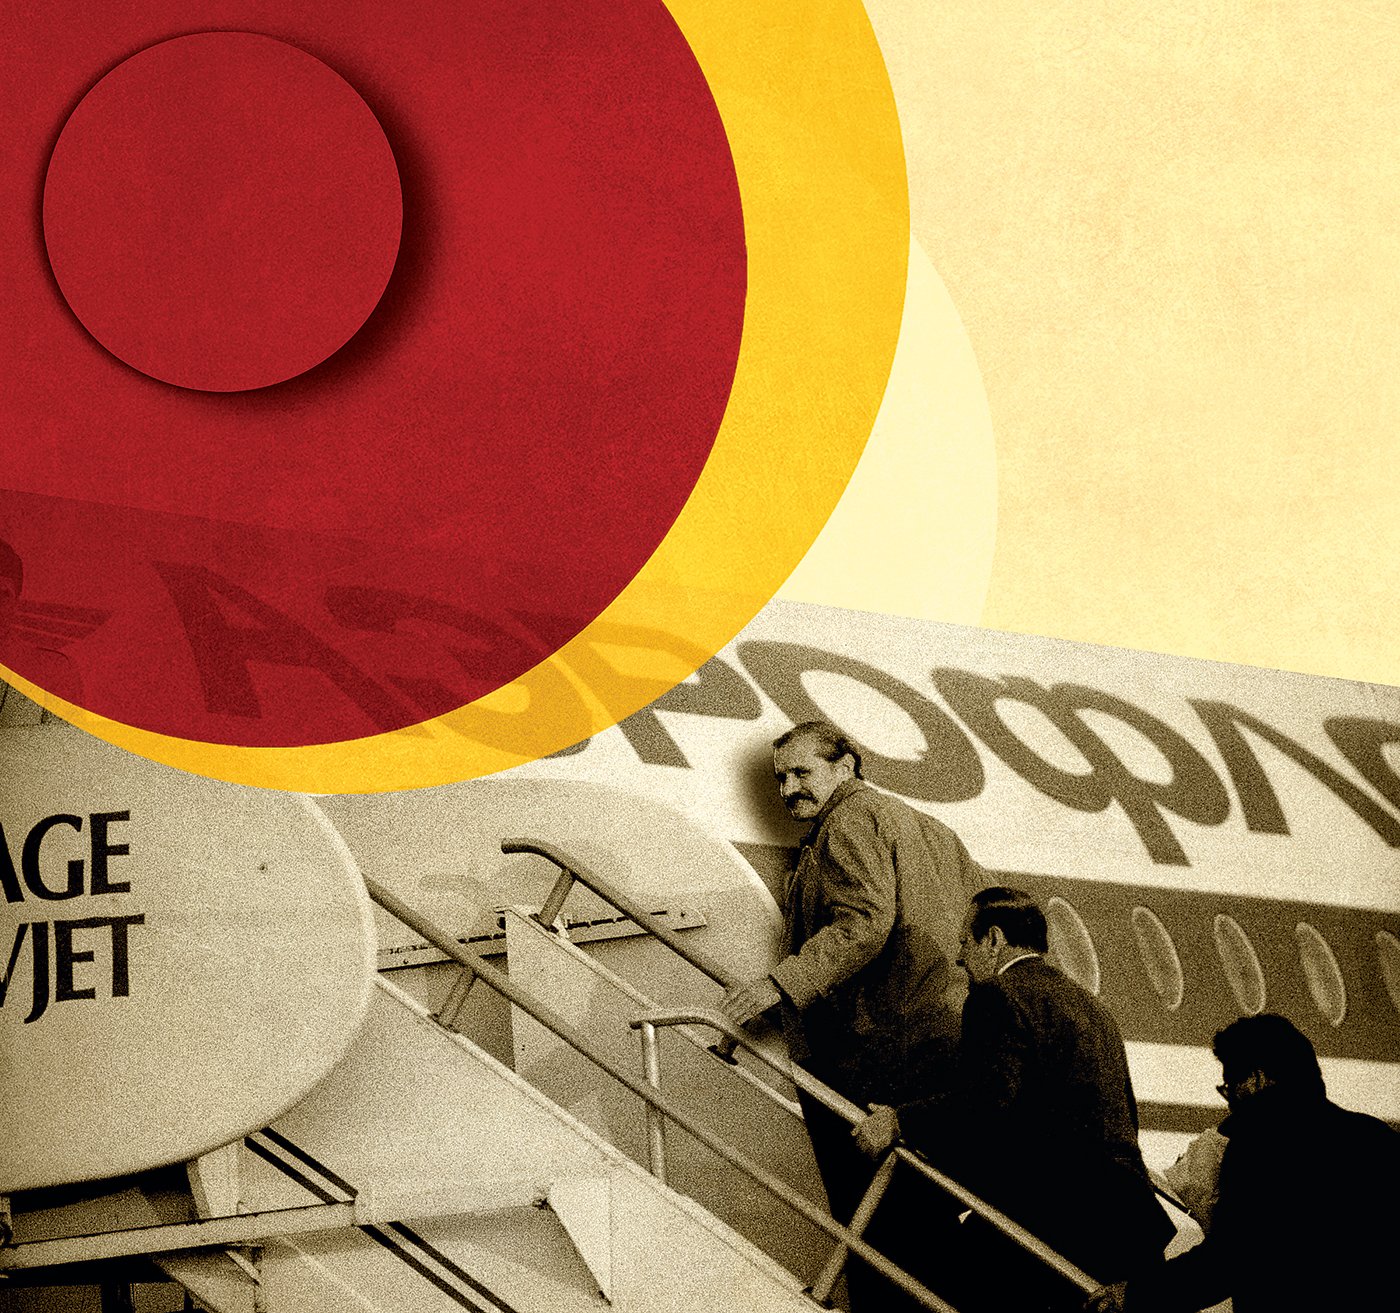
(867,987)
(1307,1215)
(1041,1122)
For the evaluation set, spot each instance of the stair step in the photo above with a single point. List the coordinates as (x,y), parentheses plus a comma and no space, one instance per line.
(721,1097)
(458,1155)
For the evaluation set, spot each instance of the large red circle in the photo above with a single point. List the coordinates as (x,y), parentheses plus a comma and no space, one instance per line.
(470,479)
(222,211)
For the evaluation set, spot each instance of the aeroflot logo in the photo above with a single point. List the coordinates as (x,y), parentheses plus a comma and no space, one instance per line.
(226,652)
(951,770)
(60,950)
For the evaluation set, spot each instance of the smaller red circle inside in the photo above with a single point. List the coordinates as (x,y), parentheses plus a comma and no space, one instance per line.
(222,211)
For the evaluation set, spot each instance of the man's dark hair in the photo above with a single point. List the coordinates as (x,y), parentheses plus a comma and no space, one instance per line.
(1016,912)
(11,566)
(1271,1044)
(828,741)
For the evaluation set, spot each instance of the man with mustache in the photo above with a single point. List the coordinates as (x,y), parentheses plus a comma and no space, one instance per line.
(868,991)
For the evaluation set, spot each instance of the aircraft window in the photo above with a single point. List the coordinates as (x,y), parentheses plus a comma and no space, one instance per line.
(1241,963)
(1388,950)
(1159,958)
(1324,976)
(1071,946)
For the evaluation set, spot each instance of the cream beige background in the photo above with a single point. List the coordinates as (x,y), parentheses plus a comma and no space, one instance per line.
(1147,395)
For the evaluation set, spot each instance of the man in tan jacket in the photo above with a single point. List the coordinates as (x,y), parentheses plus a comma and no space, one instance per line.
(868,989)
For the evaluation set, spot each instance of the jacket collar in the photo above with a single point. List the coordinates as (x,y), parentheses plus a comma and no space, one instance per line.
(838,795)
(1022,955)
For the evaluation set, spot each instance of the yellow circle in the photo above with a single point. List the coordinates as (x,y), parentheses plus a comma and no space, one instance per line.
(811,123)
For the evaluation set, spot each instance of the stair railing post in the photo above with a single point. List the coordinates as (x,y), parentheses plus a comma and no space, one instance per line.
(656,1119)
(249,1258)
(456,998)
(554,904)
(869,1202)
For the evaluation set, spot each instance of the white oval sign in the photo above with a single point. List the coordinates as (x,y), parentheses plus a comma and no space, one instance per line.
(180,959)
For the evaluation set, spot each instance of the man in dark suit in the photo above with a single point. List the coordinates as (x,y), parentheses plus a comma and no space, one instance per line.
(1307,1214)
(1041,1121)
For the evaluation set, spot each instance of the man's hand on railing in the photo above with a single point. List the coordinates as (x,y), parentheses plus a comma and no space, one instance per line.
(753,998)
(1108,1299)
(878,1131)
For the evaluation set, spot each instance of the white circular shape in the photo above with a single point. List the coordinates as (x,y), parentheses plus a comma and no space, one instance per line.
(1071,945)
(440,850)
(1324,976)
(187,959)
(1388,955)
(1241,965)
(1160,960)
(915,530)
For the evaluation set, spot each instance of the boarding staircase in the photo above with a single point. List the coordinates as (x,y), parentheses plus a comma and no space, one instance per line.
(636,1156)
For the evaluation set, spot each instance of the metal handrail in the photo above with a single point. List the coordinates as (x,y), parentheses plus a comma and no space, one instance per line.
(176,1237)
(853,1114)
(571,870)
(654,1098)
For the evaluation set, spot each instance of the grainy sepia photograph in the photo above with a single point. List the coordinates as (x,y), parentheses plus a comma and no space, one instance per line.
(683,655)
